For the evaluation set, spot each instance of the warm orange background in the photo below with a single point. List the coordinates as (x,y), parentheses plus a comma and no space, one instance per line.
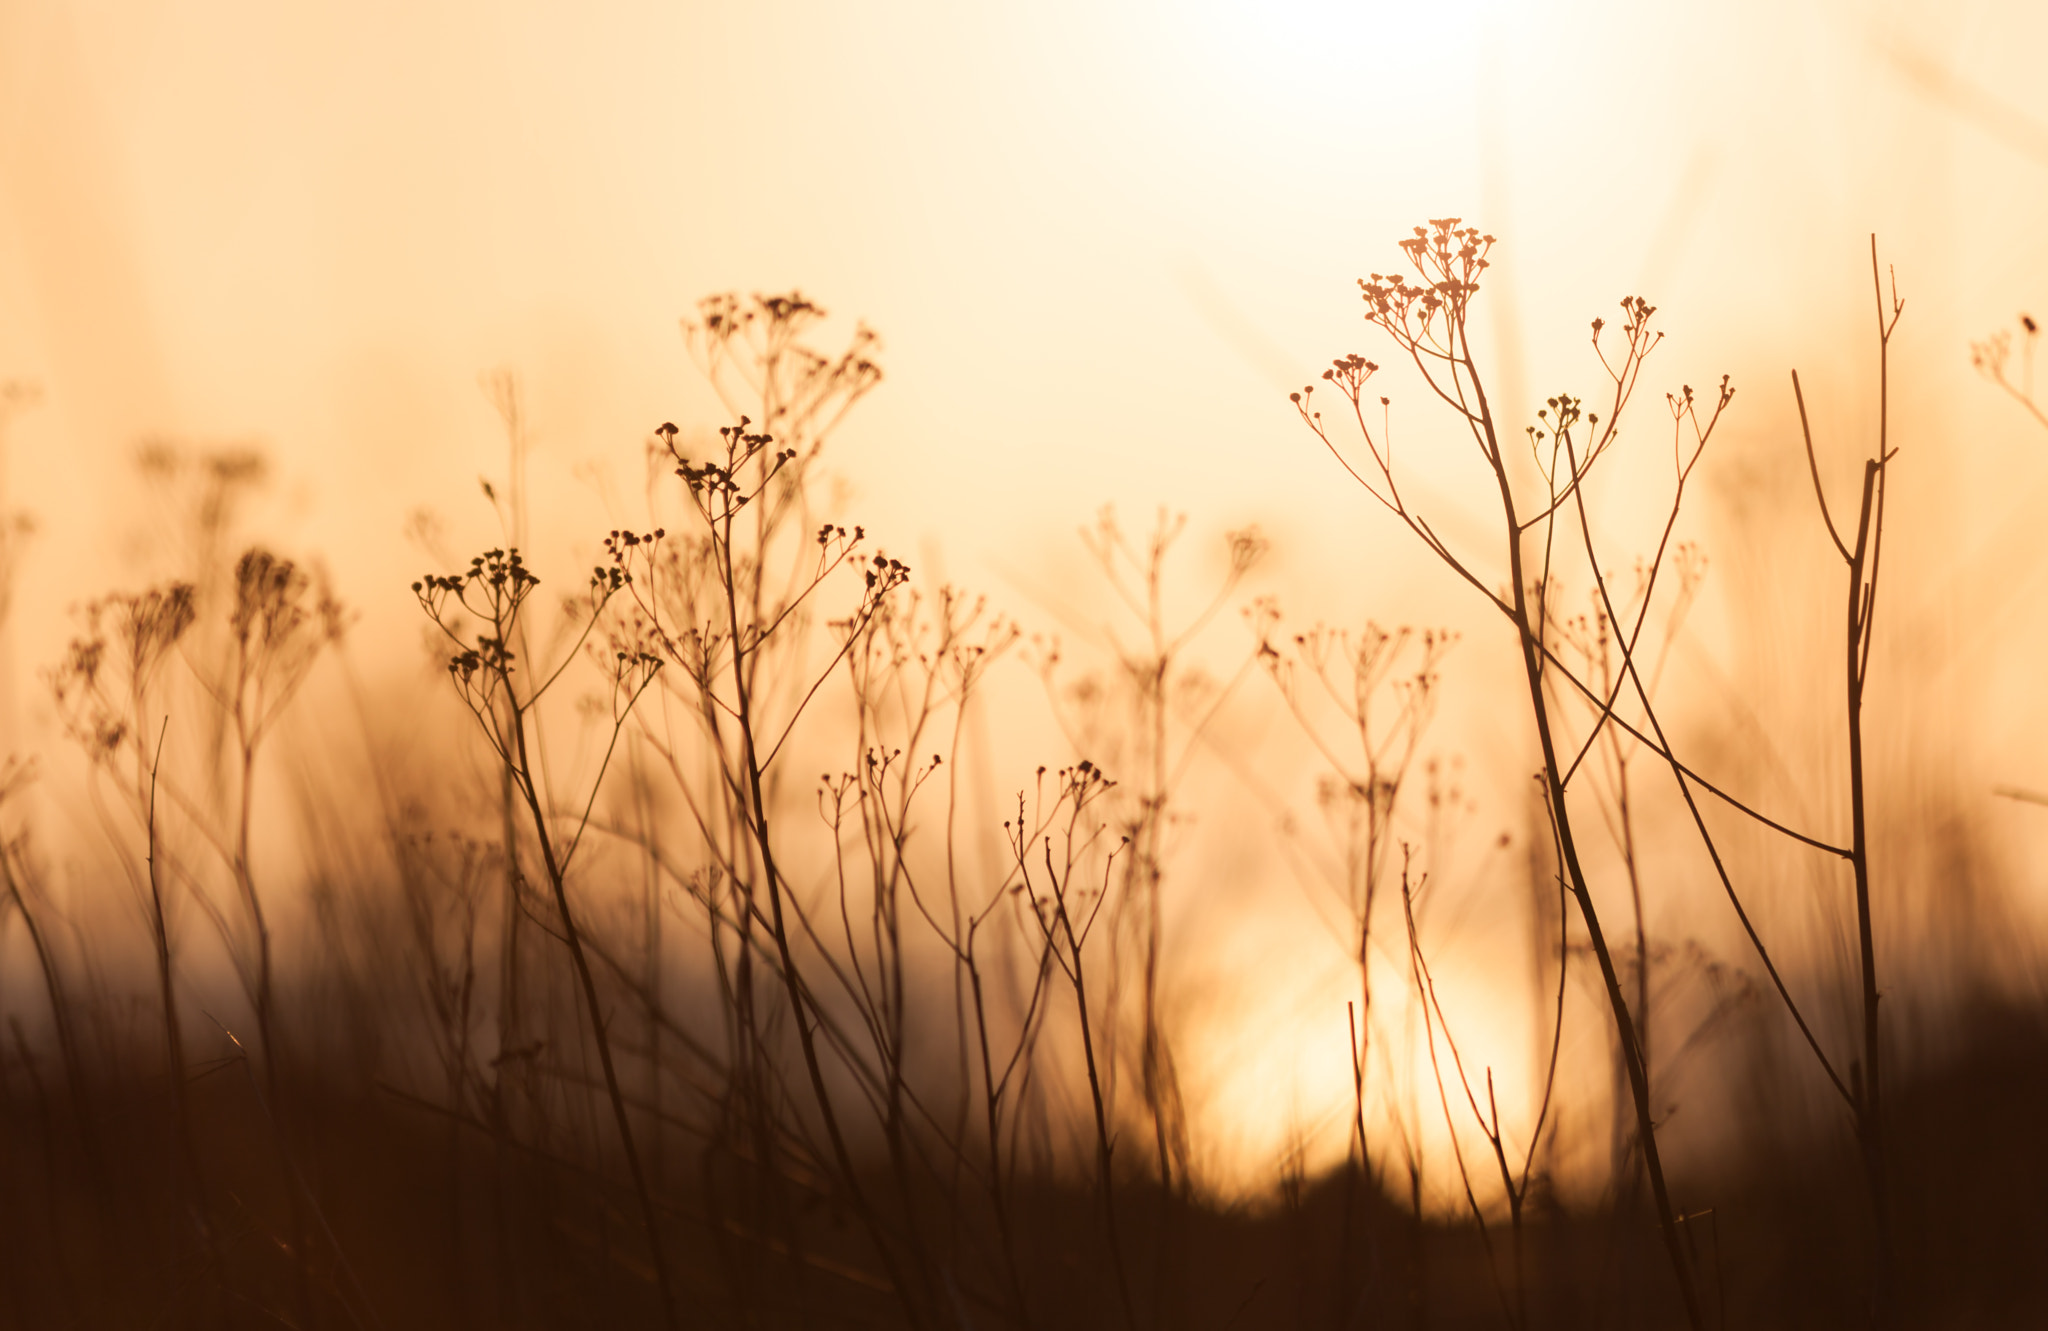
(1101,241)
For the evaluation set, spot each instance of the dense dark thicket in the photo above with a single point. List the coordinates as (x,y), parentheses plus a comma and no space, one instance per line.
(635,1022)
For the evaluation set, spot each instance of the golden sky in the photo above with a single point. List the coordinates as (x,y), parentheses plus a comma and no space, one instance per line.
(1100,240)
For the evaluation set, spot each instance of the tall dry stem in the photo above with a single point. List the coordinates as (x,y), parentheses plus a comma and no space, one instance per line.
(1428,323)
(1863,558)
(491,680)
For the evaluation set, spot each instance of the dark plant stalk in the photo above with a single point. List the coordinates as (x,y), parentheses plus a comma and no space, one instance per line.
(1162,1085)
(574,938)
(1104,1172)
(266,1028)
(1863,610)
(755,816)
(1363,1170)
(650,930)
(1428,324)
(1862,562)
(186,1171)
(12,872)
(1862,600)
(482,671)
(1432,1018)
(1138,579)
(995,1088)
(1533,659)
(1631,1048)
(992,1112)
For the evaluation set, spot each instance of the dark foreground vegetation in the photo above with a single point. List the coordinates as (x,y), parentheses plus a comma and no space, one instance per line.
(693,986)
(427,1222)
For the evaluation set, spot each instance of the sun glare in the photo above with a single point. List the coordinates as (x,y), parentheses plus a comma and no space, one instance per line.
(1276,1087)
(1303,57)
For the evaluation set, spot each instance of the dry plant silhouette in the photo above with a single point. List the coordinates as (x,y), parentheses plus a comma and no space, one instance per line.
(1547,526)
(684,975)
